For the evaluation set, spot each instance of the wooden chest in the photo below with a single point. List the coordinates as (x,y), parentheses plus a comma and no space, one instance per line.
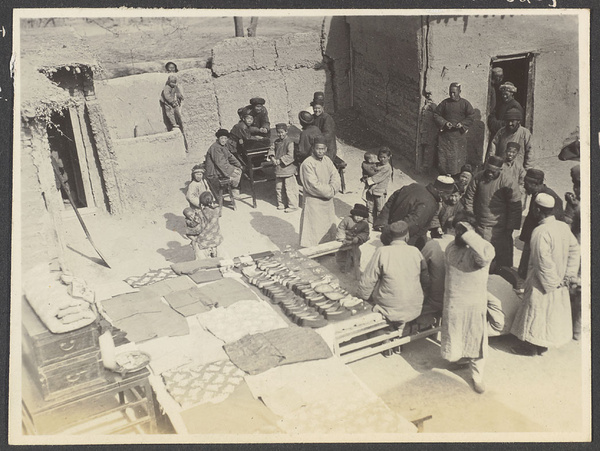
(60,364)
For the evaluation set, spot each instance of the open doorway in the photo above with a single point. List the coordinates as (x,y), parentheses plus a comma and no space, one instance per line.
(63,149)
(519,70)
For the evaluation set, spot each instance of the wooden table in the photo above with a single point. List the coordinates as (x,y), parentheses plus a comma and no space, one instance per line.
(120,405)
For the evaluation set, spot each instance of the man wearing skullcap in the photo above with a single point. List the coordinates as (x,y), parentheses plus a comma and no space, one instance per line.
(464,315)
(170,99)
(507,102)
(281,155)
(534,185)
(220,162)
(514,169)
(307,135)
(321,182)
(415,204)
(261,115)
(513,131)
(453,116)
(544,317)
(396,278)
(494,197)
(325,123)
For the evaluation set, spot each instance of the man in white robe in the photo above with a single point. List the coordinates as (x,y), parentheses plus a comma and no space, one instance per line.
(464,322)
(321,181)
(544,317)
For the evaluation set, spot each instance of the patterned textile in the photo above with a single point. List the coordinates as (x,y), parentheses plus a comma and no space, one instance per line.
(260,352)
(323,397)
(152,276)
(196,384)
(242,318)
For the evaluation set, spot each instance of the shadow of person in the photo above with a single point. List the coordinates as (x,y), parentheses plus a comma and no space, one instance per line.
(342,209)
(185,187)
(175,223)
(177,252)
(280,232)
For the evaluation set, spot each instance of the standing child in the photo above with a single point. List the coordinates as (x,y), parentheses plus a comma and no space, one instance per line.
(353,230)
(281,154)
(196,187)
(369,168)
(203,227)
(378,183)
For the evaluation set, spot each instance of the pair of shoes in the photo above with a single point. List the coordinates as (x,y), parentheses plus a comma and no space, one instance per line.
(524,350)
(291,210)
(479,387)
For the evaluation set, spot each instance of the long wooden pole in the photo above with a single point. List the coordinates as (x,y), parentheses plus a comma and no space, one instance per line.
(68,192)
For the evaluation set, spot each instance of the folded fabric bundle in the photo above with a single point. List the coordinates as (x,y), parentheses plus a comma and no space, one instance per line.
(195,384)
(152,276)
(225,292)
(164,287)
(189,302)
(194,265)
(260,352)
(206,275)
(144,317)
(50,300)
(240,319)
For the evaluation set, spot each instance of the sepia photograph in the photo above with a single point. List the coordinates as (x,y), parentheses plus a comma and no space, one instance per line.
(284,226)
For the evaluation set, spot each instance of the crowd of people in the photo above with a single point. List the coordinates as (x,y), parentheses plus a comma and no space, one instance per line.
(417,271)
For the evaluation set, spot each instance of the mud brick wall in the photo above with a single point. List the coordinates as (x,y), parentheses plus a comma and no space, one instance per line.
(461,49)
(385,57)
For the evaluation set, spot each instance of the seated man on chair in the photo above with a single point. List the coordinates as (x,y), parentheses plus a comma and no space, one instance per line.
(221,164)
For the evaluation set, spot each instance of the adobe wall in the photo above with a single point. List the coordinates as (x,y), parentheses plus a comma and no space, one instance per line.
(385,57)
(461,48)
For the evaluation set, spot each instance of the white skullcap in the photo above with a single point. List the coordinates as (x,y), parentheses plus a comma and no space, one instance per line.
(545,200)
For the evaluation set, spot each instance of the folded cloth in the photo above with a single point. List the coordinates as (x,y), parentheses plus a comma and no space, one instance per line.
(194,265)
(206,275)
(111,289)
(225,292)
(323,396)
(143,317)
(164,287)
(196,384)
(240,319)
(186,298)
(260,352)
(152,276)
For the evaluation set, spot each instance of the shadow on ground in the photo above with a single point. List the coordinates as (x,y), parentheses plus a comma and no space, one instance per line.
(280,232)
(176,252)
(175,223)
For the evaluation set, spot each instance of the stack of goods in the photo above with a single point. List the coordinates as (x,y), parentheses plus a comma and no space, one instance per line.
(307,293)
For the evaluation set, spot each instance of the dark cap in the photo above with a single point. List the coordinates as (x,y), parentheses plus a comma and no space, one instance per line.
(535,175)
(305,117)
(317,102)
(398,229)
(318,96)
(513,145)
(360,210)
(281,126)
(495,161)
(221,132)
(257,101)
(513,115)
(319,139)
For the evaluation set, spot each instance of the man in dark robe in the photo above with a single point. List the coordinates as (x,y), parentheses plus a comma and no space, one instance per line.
(325,123)
(453,116)
(506,102)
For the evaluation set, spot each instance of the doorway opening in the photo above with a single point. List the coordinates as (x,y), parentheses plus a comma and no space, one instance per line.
(63,149)
(519,70)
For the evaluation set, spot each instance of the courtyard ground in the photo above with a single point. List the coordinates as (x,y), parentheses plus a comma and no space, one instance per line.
(525,394)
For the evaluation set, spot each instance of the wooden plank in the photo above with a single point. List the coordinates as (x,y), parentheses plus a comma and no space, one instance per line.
(92,162)
(323,249)
(82,157)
